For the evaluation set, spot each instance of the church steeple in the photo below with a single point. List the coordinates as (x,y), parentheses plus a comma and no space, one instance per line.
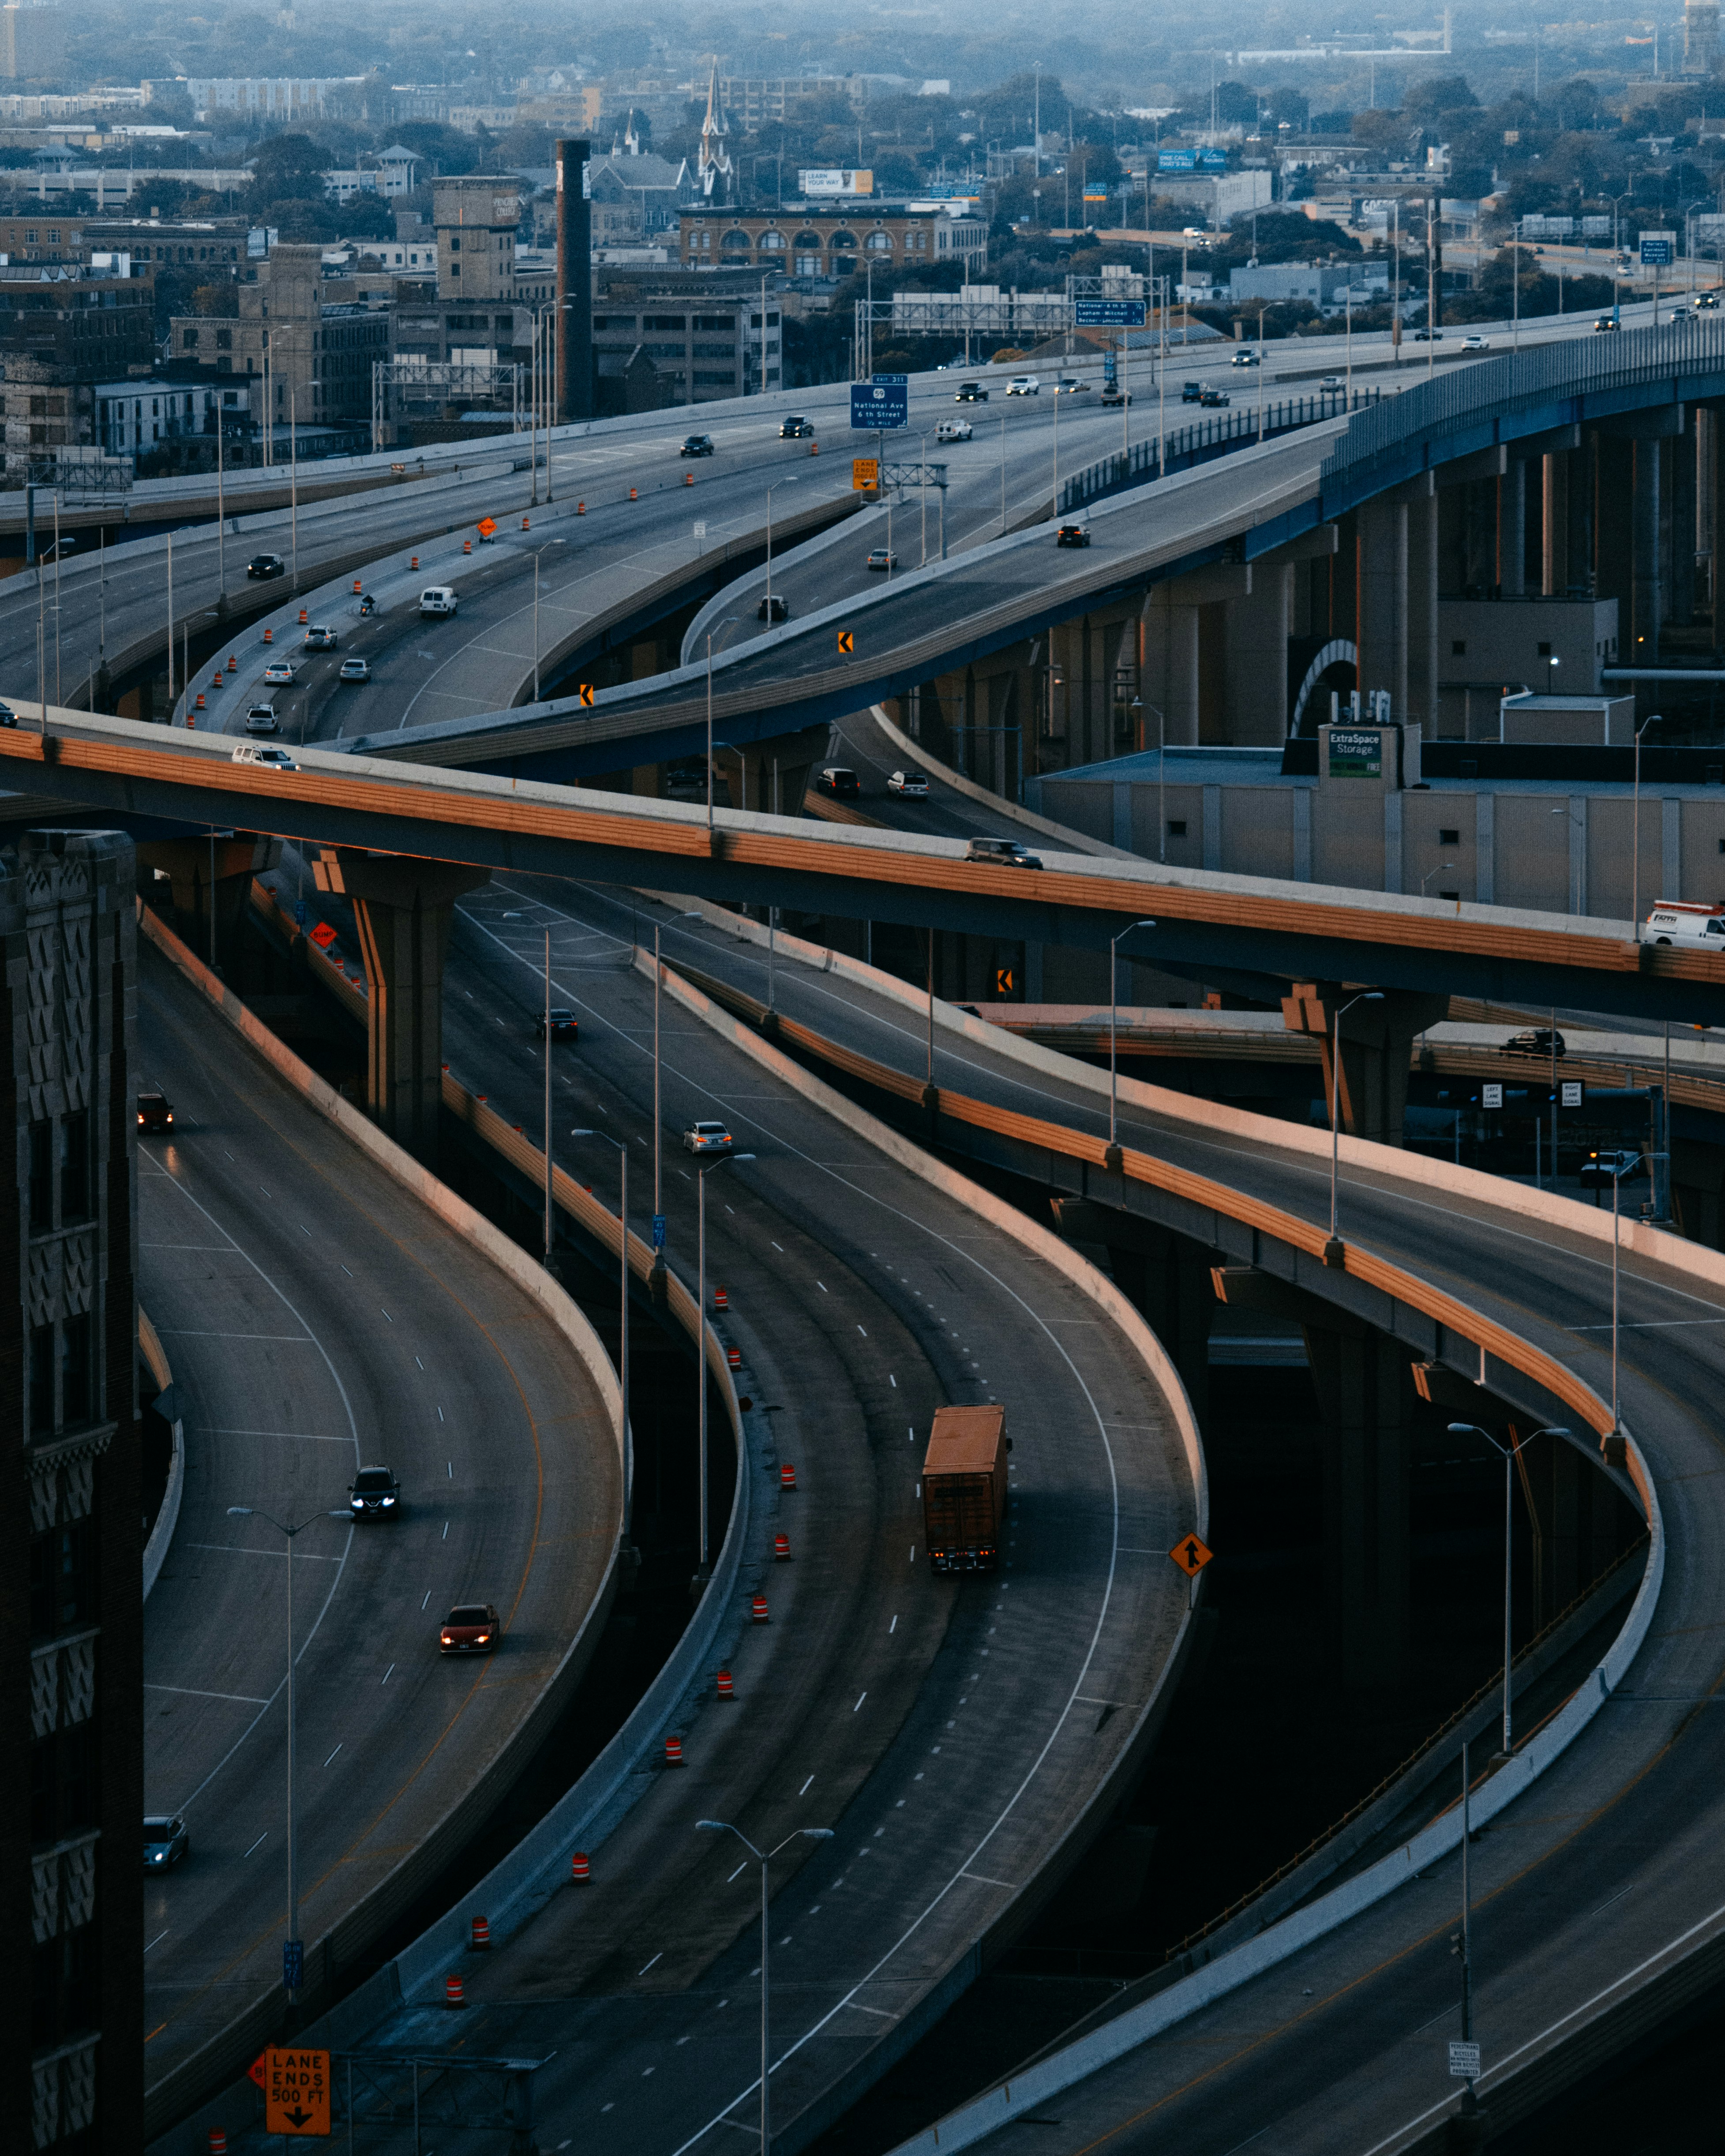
(714,170)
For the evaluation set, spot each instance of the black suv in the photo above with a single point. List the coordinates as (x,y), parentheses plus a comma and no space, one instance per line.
(155,1112)
(836,780)
(696,445)
(266,565)
(375,1494)
(970,392)
(773,609)
(794,427)
(1541,1041)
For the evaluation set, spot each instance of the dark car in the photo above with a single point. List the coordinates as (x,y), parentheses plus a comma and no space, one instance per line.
(374,1494)
(1212,396)
(970,392)
(165,1842)
(266,565)
(563,1024)
(1003,853)
(469,1629)
(1072,535)
(794,427)
(1541,1041)
(155,1112)
(836,780)
(9,717)
(1608,322)
(773,609)
(1708,299)
(696,445)
(1191,393)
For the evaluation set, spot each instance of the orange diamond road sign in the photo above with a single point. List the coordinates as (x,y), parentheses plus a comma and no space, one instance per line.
(257,2067)
(865,475)
(323,936)
(587,692)
(485,526)
(296,2092)
(847,642)
(1191,1555)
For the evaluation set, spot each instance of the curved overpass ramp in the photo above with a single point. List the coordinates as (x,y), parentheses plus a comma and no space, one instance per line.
(320,1317)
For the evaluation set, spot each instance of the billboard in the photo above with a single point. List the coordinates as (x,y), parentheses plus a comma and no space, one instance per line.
(1176,161)
(827,180)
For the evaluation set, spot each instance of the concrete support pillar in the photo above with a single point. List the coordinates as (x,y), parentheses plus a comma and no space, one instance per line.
(1166,1277)
(199,870)
(1613,551)
(1583,462)
(1377,1045)
(1512,531)
(1686,456)
(1707,513)
(1382,580)
(1258,629)
(1643,522)
(1366,1397)
(1170,680)
(1423,665)
(1365,1394)
(1554,523)
(402,908)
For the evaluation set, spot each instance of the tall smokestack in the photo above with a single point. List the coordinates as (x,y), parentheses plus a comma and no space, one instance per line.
(574,317)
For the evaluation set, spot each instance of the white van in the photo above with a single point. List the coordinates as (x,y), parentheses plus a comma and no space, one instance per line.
(1681,921)
(439,599)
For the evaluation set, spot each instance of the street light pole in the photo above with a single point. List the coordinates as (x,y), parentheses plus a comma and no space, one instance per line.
(1509,1452)
(548,1222)
(625,1437)
(764,1859)
(293,1959)
(1114,942)
(770,492)
(1366,995)
(727,623)
(700,1176)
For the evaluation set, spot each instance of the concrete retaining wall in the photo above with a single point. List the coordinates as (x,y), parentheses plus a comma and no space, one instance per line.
(168,1517)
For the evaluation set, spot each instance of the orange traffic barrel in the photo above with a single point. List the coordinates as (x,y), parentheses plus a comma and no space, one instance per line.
(303,615)
(232,664)
(726,1689)
(673,1751)
(581,509)
(467,545)
(415,562)
(814,449)
(218,680)
(579,1869)
(455,1992)
(733,1356)
(633,495)
(787,1477)
(781,1548)
(200,701)
(526,526)
(269,636)
(688,479)
(218,2142)
(481,1935)
(358,585)
(757,1609)
(191,723)
(721,1301)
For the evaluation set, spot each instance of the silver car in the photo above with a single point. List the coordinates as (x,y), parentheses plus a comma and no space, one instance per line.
(707,1137)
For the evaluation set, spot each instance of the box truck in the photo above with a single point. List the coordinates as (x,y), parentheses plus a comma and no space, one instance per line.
(964,1488)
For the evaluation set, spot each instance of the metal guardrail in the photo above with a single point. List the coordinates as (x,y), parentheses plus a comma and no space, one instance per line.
(1188,445)
(1574,366)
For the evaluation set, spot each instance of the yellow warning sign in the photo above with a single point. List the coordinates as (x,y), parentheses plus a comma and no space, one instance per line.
(1191,1555)
(296,2092)
(847,642)
(865,475)
(587,692)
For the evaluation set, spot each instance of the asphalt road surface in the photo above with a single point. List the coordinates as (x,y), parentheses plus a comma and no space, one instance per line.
(318,1318)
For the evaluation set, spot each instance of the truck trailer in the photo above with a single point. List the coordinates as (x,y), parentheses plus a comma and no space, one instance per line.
(964,1488)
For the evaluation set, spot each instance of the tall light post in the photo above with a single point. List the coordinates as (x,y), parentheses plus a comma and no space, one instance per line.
(700,1176)
(1509,1452)
(729,621)
(1430,873)
(293,1952)
(625,1438)
(1114,943)
(1366,995)
(763,1859)
(1651,719)
(771,490)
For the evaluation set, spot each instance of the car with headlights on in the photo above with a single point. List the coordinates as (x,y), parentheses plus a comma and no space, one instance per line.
(470,1628)
(374,1494)
(166,1842)
(156,1112)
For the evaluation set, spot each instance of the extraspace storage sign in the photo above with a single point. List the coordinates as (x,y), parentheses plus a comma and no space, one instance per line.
(1356,752)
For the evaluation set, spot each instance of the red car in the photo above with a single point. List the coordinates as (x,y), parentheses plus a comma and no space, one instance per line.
(469,1629)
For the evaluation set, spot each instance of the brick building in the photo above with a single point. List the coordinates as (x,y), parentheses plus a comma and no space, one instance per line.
(666,339)
(57,341)
(71,1682)
(832,240)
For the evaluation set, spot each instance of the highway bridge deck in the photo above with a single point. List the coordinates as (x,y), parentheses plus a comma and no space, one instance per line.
(318,1318)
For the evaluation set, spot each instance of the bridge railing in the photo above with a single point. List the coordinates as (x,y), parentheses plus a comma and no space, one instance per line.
(1541,375)
(1206,438)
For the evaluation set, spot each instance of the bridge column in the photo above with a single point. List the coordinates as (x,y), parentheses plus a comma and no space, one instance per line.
(1166,1278)
(1258,629)
(1170,672)
(1365,1397)
(188,864)
(1384,600)
(1554,524)
(1423,666)
(1377,1046)
(1512,529)
(403,908)
(1686,457)
(1644,524)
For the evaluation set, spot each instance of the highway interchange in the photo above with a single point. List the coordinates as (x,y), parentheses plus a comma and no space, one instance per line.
(983,1716)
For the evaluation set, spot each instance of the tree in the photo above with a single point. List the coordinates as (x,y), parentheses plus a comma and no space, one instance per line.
(1426,103)
(289,168)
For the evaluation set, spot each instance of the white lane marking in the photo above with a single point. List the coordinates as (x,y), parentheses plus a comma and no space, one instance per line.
(311,1436)
(428,1597)
(892,1381)
(892,1628)
(188,1332)
(660,1956)
(984,1880)
(333,1755)
(741,1867)
(156,1941)
(388,1674)
(822,1286)
(804,1790)
(856,2006)
(191,1692)
(260,1841)
(249,1549)
(861,1696)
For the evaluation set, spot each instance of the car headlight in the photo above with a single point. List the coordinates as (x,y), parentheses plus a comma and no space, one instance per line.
(358,1503)
(483,1641)
(389,1501)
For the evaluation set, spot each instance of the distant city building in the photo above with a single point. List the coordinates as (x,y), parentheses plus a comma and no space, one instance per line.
(33,40)
(395,172)
(286,97)
(71,1732)
(828,243)
(1701,36)
(662,340)
(637,195)
(714,173)
(168,426)
(57,338)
